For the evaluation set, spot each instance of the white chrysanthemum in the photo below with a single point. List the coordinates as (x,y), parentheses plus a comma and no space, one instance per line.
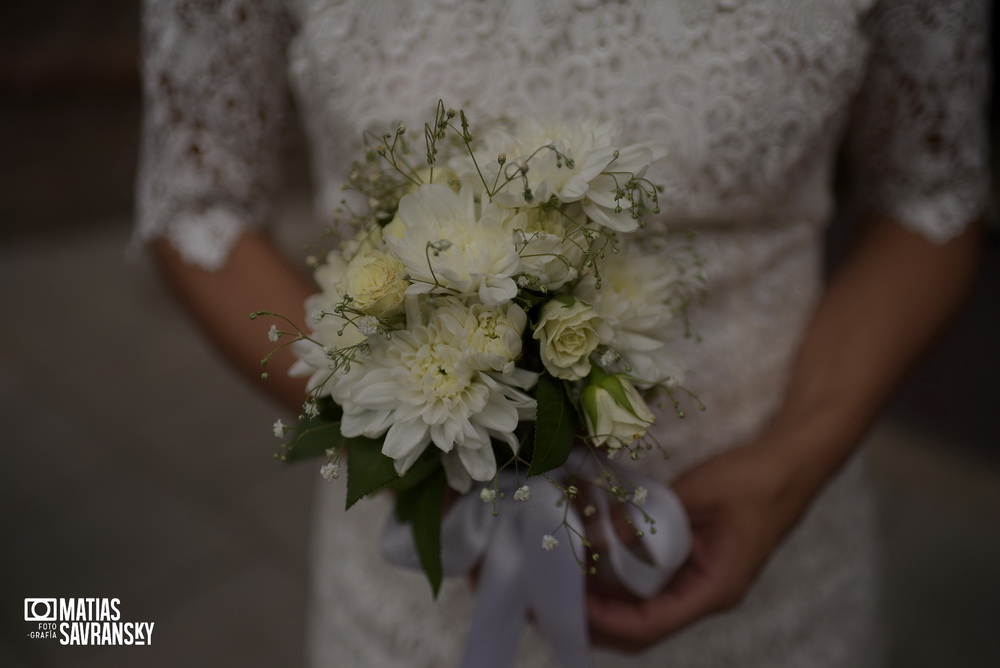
(329,274)
(332,333)
(551,244)
(448,247)
(575,162)
(421,387)
(635,301)
(492,333)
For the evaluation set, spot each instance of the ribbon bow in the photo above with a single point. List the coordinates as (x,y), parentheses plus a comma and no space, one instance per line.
(518,577)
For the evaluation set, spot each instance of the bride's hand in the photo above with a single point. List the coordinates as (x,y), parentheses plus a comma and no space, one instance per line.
(887,303)
(740,504)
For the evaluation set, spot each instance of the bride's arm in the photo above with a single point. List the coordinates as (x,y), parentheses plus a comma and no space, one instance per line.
(215,113)
(256,276)
(889,302)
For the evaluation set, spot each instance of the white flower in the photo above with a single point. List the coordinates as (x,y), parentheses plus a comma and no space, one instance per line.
(549,543)
(329,274)
(310,409)
(575,162)
(273,334)
(279,428)
(492,334)
(568,330)
(422,387)
(522,493)
(367,325)
(480,257)
(488,495)
(551,245)
(375,281)
(637,301)
(639,496)
(589,511)
(329,471)
(333,333)
(367,238)
(615,413)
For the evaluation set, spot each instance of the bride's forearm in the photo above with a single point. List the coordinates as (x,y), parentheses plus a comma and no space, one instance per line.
(892,298)
(256,276)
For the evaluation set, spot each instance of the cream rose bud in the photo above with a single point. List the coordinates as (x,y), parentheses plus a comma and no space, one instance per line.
(615,412)
(375,281)
(568,331)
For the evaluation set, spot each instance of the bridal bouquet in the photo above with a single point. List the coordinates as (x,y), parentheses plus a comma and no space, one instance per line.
(487,316)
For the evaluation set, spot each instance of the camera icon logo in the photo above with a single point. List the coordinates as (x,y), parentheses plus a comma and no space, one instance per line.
(40,610)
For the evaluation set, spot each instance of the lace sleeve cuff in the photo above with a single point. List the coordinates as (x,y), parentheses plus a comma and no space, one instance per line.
(216,101)
(918,139)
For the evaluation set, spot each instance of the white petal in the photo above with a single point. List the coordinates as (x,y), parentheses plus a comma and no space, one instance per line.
(405,437)
(480,463)
(458,478)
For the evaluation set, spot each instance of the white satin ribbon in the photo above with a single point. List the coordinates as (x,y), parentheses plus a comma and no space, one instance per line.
(517,577)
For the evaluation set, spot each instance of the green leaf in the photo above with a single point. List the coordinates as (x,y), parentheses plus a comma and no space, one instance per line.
(368,470)
(527,300)
(422,507)
(555,426)
(428,463)
(312,438)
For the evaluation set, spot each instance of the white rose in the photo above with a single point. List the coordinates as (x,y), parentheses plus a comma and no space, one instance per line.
(375,281)
(568,331)
(615,412)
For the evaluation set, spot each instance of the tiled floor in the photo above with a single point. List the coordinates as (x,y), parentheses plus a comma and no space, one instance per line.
(136,466)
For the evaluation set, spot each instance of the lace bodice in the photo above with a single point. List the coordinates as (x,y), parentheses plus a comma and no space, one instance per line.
(751,98)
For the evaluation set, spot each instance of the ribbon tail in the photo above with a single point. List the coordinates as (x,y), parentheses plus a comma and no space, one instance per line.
(666,543)
(501,603)
(555,579)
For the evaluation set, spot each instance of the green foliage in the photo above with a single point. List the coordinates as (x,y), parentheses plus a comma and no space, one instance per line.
(368,470)
(421,507)
(315,435)
(555,426)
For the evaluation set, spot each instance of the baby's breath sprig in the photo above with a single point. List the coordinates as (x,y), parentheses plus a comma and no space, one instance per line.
(392,147)
(274,335)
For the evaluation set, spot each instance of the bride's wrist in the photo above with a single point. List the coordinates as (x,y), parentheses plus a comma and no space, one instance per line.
(806,451)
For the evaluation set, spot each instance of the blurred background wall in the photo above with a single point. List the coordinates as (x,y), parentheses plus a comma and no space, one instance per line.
(137,466)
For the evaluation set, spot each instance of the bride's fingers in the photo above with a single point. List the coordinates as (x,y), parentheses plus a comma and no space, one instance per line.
(632,626)
(710,582)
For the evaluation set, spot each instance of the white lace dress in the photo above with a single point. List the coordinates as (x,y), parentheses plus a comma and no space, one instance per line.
(752,99)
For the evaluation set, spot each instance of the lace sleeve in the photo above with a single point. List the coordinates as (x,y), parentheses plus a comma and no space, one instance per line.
(215,100)
(918,139)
